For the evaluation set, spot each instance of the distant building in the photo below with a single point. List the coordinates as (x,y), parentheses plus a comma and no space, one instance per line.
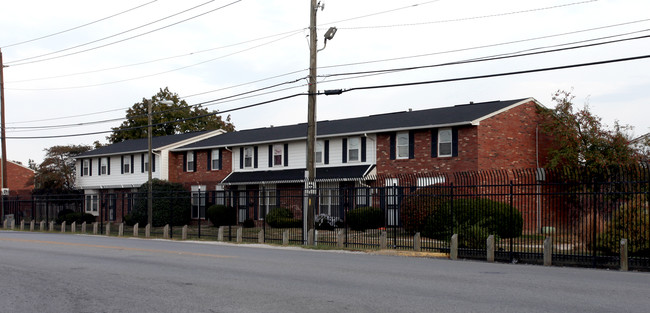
(20,179)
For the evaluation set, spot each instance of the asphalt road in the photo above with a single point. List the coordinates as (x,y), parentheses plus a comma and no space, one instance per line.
(77,273)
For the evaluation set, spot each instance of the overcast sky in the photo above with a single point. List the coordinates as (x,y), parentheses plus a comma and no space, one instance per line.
(76,62)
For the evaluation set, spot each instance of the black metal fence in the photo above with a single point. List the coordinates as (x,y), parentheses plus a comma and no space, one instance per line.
(585,214)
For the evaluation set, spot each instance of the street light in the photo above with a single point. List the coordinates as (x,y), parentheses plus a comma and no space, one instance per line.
(150,161)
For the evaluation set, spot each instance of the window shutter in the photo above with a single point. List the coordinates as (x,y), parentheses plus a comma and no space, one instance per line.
(132,163)
(153,162)
(241,157)
(108,165)
(209,160)
(411,144)
(185,161)
(345,151)
(326,152)
(90,169)
(99,167)
(121,164)
(81,167)
(392,146)
(220,158)
(363,149)
(286,154)
(454,142)
(255,157)
(434,143)
(142,163)
(270,155)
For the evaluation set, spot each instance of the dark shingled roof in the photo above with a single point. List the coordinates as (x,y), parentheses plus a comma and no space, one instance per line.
(455,115)
(298,175)
(139,145)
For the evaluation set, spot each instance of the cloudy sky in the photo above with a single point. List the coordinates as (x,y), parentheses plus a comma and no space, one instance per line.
(74,67)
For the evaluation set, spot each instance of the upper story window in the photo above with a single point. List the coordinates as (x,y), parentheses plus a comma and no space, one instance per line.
(444,142)
(85,167)
(103,169)
(278,154)
(402,145)
(214,155)
(318,152)
(127,164)
(354,149)
(145,162)
(248,157)
(190,165)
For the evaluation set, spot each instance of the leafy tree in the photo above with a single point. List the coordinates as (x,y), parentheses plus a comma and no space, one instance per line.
(56,174)
(170,205)
(167,119)
(582,142)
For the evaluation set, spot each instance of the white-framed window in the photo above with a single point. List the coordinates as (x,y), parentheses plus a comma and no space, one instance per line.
(444,142)
(215,159)
(191,162)
(198,201)
(328,199)
(248,157)
(267,196)
(402,145)
(319,152)
(92,204)
(278,152)
(145,158)
(220,195)
(103,166)
(86,164)
(127,164)
(354,149)
(361,197)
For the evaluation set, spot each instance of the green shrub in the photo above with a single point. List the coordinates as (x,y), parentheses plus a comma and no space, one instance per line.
(60,217)
(632,222)
(170,205)
(496,218)
(282,218)
(70,216)
(365,218)
(248,223)
(416,207)
(221,215)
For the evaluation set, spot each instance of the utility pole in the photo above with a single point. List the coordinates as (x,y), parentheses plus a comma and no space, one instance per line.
(149,183)
(311,117)
(2,136)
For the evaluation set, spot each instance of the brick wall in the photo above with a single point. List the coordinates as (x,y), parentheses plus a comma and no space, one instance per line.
(20,180)
(201,176)
(509,139)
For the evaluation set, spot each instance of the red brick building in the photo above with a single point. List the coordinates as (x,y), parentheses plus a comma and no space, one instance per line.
(20,179)
(256,166)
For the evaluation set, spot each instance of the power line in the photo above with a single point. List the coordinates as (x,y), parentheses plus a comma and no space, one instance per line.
(156,74)
(368,88)
(470,18)
(77,27)
(119,41)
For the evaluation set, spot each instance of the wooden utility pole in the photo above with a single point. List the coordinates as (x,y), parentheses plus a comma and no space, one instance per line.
(2,135)
(311,118)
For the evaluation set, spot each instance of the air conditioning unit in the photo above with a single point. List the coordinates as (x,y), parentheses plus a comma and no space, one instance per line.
(5,191)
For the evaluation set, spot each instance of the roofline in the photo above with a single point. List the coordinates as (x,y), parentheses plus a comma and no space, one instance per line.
(374,131)
(480,119)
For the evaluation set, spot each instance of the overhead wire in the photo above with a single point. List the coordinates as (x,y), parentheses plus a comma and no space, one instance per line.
(78,27)
(20,61)
(577,65)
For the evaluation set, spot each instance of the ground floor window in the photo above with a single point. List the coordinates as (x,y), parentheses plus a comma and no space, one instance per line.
(92,204)
(198,201)
(267,200)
